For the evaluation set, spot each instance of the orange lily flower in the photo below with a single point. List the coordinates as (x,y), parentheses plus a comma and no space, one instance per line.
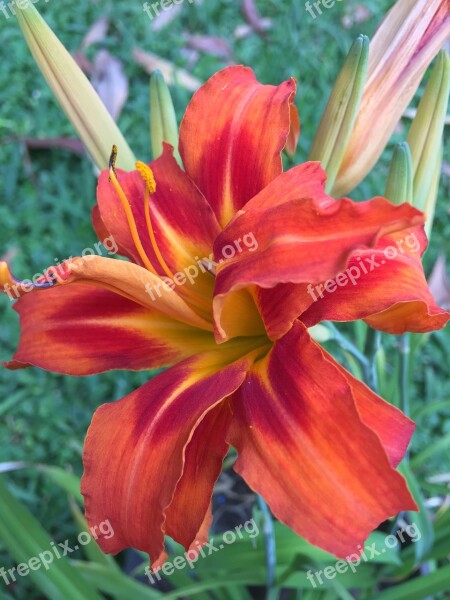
(244,371)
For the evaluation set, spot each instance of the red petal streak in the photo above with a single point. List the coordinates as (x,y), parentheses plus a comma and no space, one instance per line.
(134,451)
(389,291)
(203,464)
(132,282)
(184,224)
(303,445)
(80,330)
(300,241)
(392,427)
(232,136)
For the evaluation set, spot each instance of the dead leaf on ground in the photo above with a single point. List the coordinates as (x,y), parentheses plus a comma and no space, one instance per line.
(96,33)
(190,57)
(110,81)
(244,30)
(439,284)
(252,16)
(209,44)
(172,74)
(166,17)
(357,14)
(83,62)
(64,143)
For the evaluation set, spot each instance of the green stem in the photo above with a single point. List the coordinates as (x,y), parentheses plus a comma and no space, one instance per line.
(404,373)
(346,345)
(269,541)
(404,347)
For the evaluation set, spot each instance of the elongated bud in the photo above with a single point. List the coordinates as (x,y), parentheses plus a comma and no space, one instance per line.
(72,89)
(404,45)
(337,122)
(425,136)
(163,121)
(431,197)
(400,180)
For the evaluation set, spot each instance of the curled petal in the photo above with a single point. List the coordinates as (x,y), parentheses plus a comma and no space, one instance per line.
(392,427)
(304,446)
(137,448)
(303,239)
(189,515)
(130,281)
(386,286)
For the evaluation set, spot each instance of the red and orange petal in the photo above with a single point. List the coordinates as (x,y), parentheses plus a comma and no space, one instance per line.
(204,456)
(305,239)
(80,330)
(393,428)
(184,224)
(305,447)
(294,131)
(137,449)
(232,135)
(130,281)
(388,289)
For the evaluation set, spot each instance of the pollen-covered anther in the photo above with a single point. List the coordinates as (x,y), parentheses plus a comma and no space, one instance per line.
(147,175)
(112,161)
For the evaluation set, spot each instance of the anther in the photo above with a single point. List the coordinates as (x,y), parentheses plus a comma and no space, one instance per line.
(147,175)
(112,161)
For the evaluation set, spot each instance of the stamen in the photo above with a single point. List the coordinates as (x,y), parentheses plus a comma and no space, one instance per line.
(128,212)
(150,187)
(147,175)
(112,160)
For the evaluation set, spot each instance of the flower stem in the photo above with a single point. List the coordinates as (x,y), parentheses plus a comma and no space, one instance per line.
(269,541)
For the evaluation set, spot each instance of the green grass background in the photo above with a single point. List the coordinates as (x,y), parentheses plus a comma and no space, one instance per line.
(45,206)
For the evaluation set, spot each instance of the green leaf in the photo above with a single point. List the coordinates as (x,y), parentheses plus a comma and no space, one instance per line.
(67,481)
(420,587)
(422,519)
(25,539)
(92,550)
(434,449)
